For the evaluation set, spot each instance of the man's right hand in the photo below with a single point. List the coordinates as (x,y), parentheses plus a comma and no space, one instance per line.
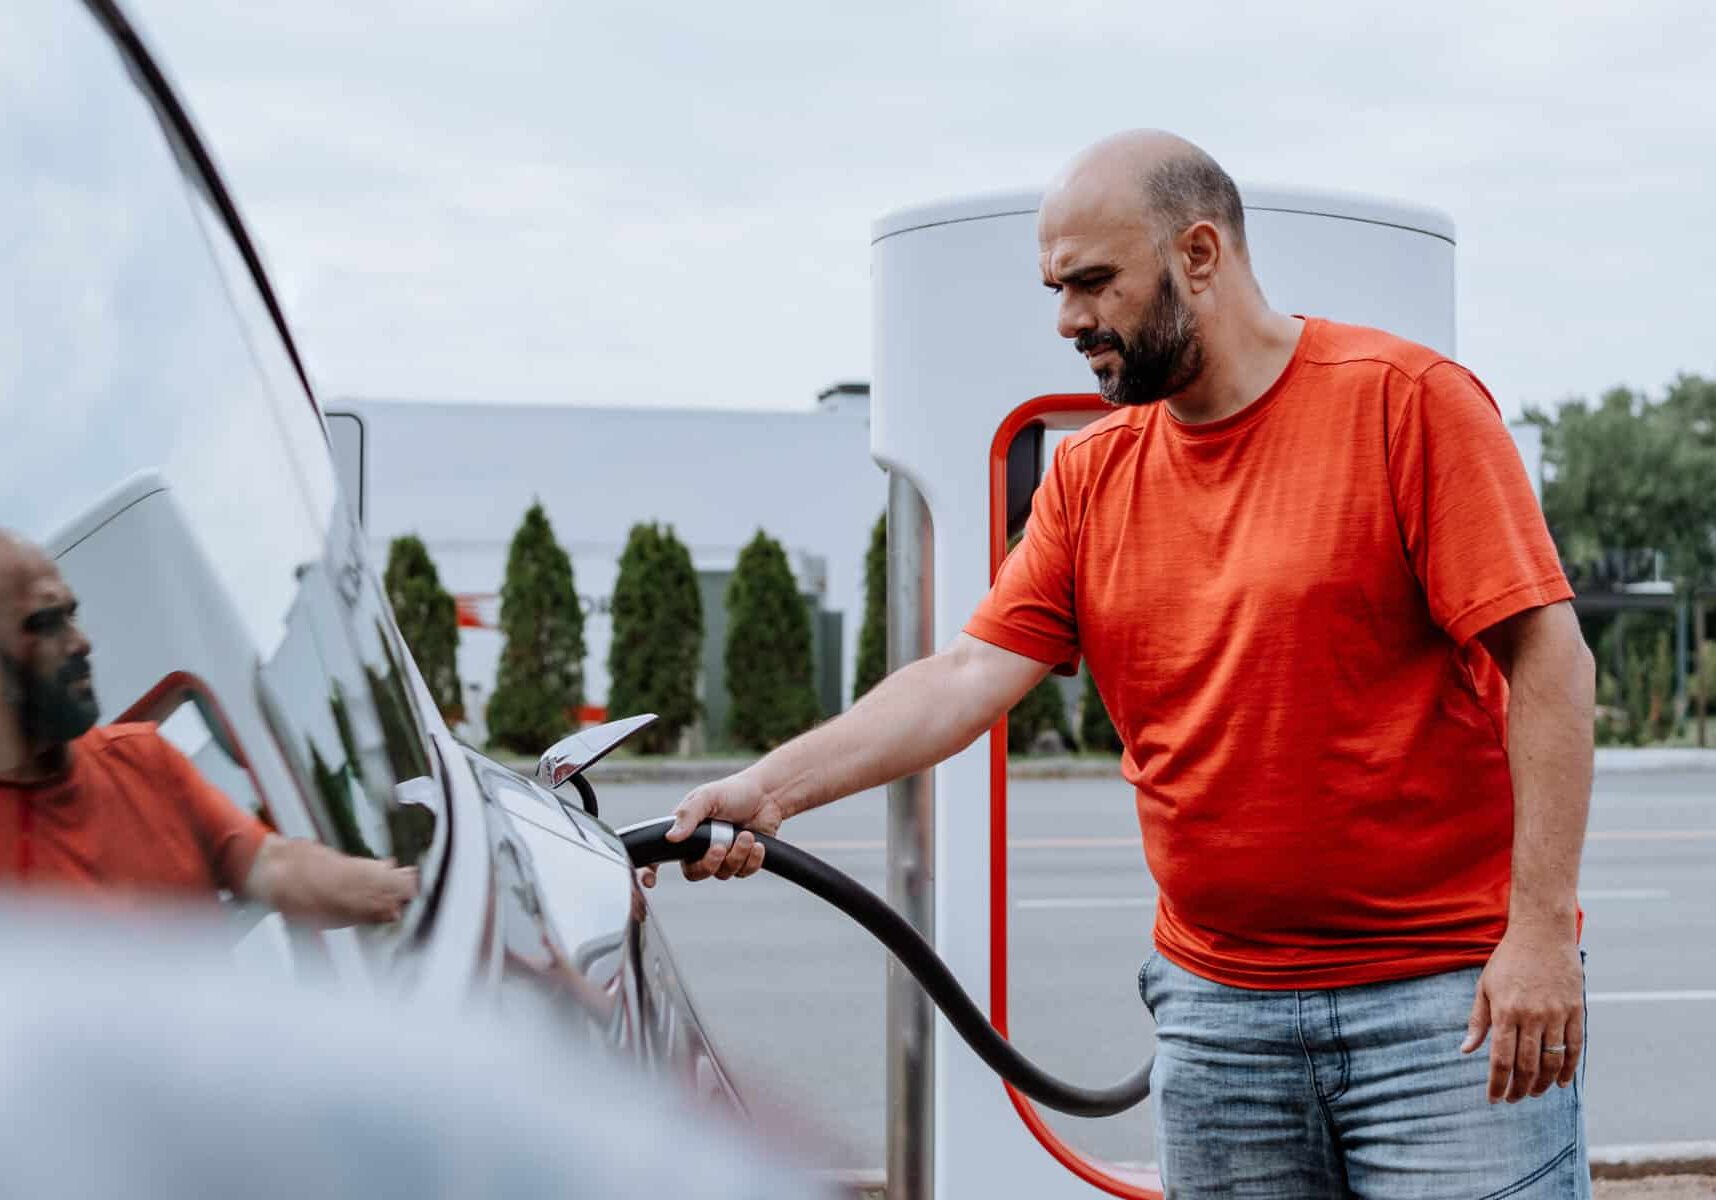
(739,799)
(914,718)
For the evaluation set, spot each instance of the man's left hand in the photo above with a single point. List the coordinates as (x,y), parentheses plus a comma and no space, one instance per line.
(1531,1003)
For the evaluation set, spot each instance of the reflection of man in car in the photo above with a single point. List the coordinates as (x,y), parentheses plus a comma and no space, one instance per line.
(118,810)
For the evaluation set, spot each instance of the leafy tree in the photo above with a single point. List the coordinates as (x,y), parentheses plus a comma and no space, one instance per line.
(1095,729)
(428,619)
(1629,478)
(873,635)
(658,636)
(540,686)
(768,652)
(1042,709)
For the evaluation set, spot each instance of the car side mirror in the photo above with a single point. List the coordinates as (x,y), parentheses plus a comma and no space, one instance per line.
(566,760)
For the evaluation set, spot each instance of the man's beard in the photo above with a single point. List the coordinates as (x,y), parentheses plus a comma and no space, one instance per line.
(50,714)
(1165,356)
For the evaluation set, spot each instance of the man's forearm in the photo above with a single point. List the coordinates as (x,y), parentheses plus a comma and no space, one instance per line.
(308,882)
(1550,711)
(914,718)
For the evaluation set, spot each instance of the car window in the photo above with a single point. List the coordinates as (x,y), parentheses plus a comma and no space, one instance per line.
(160,443)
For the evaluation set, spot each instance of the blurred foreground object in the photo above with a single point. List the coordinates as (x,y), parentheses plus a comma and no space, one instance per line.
(141,1063)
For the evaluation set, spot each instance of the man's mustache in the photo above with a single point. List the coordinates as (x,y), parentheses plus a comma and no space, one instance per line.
(1098,339)
(74,669)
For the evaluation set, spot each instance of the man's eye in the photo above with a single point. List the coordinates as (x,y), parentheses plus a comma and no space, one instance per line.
(49,621)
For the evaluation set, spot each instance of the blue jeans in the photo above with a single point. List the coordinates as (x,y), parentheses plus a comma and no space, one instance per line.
(1358,1091)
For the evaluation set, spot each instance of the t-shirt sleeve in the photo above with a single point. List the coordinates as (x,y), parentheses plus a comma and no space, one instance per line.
(1029,608)
(228,835)
(1469,518)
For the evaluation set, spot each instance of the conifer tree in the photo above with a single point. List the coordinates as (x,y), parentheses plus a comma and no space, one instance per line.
(1096,730)
(873,634)
(658,636)
(540,686)
(428,619)
(768,651)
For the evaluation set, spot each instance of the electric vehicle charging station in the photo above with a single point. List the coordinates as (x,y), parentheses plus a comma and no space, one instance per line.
(968,376)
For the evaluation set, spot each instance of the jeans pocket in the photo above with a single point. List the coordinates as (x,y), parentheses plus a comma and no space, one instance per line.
(1144,981)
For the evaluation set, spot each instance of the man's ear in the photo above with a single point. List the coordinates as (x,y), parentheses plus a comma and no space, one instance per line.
(1200,247)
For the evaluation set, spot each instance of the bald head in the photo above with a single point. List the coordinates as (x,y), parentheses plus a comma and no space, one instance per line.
(1153,176)
(22,562)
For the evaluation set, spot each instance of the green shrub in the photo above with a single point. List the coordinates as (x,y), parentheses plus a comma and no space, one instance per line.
(428,620)
(1096,731)
(768,651)
(1707,672)
(658,637)
(1043,708)
(540,686)
(873,634)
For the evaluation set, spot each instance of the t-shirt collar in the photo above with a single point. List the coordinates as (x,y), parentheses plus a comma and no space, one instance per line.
(1205,430)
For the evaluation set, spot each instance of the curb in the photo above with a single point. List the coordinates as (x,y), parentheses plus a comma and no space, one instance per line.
(1623,759)
(693,771)
(1655,1158)
(1607,1162)
(1610,760)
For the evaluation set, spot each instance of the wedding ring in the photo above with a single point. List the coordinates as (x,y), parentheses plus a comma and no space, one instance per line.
(1555,1050)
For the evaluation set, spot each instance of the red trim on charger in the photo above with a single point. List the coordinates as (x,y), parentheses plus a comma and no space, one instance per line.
(1032,411)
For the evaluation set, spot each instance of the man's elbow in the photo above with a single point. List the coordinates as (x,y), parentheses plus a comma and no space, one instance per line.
(1544,649)
(987,680)
(261,882)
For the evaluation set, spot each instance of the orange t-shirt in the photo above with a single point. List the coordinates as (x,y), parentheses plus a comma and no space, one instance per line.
(131,816)
(1279,609)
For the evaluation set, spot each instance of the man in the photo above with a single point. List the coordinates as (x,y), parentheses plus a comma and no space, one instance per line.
(1315,590)
(118,810)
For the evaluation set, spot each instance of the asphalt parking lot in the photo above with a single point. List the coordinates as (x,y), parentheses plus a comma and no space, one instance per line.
(793,992)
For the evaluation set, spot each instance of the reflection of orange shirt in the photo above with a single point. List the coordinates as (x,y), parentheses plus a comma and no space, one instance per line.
(1279,611)
(131,815)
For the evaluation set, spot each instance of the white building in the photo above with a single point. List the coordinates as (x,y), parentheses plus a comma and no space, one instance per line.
(461,476)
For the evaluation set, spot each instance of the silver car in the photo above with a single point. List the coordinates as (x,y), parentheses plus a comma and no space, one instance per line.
(159,435)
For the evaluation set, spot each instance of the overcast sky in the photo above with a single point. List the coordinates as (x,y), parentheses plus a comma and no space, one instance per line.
(670,203)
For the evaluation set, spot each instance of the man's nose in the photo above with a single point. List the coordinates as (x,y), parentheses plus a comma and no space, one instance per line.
(80,644)
(1075,316)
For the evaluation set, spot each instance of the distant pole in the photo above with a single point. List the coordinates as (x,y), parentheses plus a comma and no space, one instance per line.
(1683,604)
(1699,674)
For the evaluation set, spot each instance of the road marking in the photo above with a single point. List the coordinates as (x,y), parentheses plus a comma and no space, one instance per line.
(1148,899)
(1089,902)
(1650,835)
(1019,843)
(1650,997)
(1623,894)
(836,845)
